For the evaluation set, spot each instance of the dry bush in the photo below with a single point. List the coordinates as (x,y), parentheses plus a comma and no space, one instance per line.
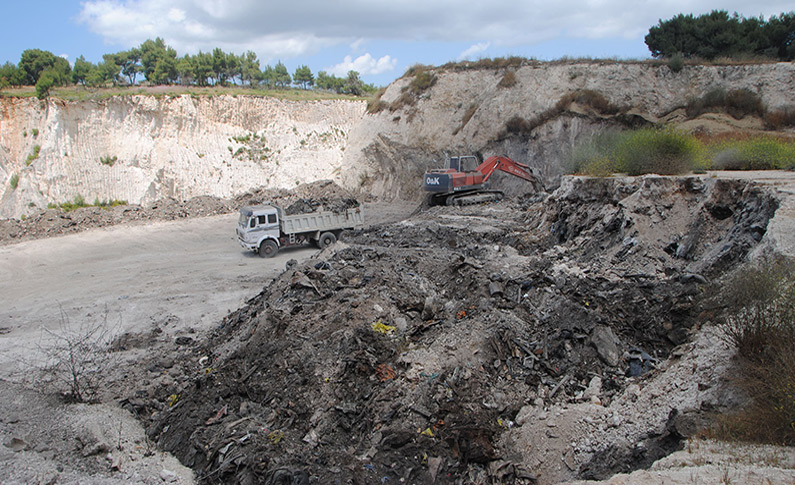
(711,100)
(760,323)
(470,112)
(780,118)
(586,97)
(508,80)
(742,102)
(738,103)
(423,80)
(518,125)
(405,99)
(375,105)
(76,357)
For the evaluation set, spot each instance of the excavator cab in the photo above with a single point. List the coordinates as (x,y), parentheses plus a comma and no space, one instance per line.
(466,163)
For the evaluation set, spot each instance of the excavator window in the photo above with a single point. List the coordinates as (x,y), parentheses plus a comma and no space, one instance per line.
(468,163)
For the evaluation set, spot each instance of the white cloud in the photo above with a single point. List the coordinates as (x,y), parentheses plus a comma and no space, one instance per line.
(474,50)
(176,15)
(283,29)
(364,65)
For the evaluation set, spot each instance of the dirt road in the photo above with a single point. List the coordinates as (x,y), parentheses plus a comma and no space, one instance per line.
(179,276)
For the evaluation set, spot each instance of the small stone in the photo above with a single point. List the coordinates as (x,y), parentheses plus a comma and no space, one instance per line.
(495,288)
(183,340)
(168,476)
(606,344)
(401,324)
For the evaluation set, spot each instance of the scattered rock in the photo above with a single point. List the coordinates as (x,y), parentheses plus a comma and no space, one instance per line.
(606,344)
(168,476)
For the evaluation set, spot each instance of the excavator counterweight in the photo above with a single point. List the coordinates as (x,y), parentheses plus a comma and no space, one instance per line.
(453,185)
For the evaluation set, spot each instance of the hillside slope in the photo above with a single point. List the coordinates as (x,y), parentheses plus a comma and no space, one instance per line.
(465,111)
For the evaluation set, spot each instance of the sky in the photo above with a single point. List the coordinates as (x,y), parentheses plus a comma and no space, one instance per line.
(380,39)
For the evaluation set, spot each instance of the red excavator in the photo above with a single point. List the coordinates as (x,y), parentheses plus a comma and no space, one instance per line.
(454,185)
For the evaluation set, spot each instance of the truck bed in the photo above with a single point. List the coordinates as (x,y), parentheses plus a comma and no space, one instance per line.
(322,221)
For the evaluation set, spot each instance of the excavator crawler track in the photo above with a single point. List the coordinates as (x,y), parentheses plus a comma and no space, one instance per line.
(472,198)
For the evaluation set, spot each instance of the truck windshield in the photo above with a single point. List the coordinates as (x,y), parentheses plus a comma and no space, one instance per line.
(243,219)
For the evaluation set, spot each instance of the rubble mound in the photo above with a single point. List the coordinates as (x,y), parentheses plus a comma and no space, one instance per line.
(322,195)
(410,353)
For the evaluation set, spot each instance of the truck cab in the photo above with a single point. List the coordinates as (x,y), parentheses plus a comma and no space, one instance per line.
(257,225)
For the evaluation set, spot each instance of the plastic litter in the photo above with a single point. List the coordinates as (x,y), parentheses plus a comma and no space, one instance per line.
(381,327)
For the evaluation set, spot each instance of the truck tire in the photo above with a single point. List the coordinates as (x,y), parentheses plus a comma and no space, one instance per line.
(326,239)
(268,248)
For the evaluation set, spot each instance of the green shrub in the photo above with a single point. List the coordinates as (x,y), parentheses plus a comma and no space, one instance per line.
(108,160)
(33,155)
(676,62)
(35,132)
(108,203)
(759,153)
(648,150)
(14,181)
(664,152)
(592,156)
(76,203)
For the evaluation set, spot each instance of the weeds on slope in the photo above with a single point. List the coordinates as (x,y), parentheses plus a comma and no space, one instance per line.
(666,151)
(79,202)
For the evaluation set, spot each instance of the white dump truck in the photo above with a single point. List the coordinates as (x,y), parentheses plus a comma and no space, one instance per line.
(266,228)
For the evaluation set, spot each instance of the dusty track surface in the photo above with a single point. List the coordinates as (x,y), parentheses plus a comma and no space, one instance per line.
(179,276)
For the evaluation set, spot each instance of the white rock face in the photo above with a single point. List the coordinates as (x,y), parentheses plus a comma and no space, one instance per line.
(466,110)
(178,147)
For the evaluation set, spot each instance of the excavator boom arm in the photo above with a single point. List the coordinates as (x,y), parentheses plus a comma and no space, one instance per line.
(492,164)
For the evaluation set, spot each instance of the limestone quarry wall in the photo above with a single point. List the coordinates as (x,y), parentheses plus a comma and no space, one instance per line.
(185,146)
(465,111)
(155,147)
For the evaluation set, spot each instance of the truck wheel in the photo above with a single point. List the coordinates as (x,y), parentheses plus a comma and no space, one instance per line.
(268,248)
(326,239)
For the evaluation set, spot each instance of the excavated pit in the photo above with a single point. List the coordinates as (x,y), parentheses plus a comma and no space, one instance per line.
(414,351)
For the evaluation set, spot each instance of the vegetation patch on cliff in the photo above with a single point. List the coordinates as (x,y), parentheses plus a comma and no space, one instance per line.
(667,151)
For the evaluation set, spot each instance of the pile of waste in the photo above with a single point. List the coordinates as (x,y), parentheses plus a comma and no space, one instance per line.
(410,353)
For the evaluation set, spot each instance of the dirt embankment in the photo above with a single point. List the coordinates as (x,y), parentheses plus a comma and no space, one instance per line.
(320,195)
(448,346)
